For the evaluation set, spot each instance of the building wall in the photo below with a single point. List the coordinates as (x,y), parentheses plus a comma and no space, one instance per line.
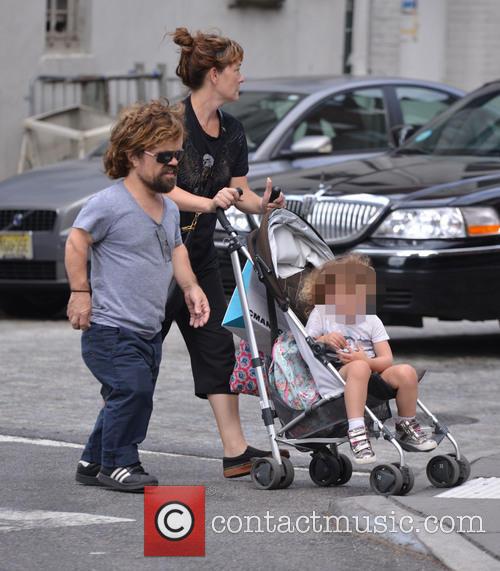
(473,44)
(118,33)
(457,41)
(383,55)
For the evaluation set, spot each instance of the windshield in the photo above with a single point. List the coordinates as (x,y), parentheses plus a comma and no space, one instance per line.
(260,112)
(472,129)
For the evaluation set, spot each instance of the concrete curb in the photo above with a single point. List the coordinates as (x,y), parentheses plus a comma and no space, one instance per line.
(451,549)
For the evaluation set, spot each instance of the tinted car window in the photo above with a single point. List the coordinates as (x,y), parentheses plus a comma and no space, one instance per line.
(473,129)
(353,120)
(260,112)
(419,105)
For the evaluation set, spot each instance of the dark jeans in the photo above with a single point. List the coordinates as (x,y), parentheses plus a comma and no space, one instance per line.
(127,366)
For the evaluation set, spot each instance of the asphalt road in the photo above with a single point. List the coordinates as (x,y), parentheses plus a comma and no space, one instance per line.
(47,393)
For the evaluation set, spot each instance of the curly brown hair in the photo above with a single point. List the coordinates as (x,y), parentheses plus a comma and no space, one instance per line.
(141,127)
(201,52)
(352,269)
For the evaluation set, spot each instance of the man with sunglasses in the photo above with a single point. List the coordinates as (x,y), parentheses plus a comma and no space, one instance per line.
(132,231)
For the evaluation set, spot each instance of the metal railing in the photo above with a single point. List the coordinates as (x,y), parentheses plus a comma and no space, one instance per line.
(107,93)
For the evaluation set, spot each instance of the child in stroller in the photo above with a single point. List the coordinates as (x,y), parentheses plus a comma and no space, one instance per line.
(304,388)
(342,292)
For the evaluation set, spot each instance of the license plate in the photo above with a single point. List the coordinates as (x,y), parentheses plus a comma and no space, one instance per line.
(16,245)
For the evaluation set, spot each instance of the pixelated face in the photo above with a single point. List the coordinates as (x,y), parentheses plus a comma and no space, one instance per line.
(347,290)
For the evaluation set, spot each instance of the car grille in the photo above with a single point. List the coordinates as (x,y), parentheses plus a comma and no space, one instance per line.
(397,297)
(35,220)
(27,270)
(337,219)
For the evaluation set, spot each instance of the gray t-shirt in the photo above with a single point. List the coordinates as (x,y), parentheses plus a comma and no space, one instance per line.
(131,263)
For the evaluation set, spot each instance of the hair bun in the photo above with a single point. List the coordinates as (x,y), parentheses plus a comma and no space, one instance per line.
(183,38)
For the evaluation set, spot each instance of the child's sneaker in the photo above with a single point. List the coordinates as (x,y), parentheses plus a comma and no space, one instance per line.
(361,448)
(412,438)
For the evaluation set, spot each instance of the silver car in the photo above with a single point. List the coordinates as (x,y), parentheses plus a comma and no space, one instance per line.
(290,124)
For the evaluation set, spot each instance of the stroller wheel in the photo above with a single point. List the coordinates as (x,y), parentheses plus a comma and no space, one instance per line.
(386,480)
(443,471)
(464,467)
(266,473)
(345,470)
(325,469)
(287,479)
(408,479)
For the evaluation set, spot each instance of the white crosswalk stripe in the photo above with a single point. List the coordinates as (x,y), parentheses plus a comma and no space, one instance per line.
(20,520)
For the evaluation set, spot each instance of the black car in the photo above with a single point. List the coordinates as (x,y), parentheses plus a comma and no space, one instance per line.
(290,123)
(427,214)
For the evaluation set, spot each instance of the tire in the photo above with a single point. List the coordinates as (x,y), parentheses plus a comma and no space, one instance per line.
(386,480)
(287,479)
(34,305)
(443,471)
(266,474)
(325,469)
(464,467)
(345,470)
(408,479)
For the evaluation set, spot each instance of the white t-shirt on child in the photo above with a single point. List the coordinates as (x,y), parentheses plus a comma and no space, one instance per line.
(366,331)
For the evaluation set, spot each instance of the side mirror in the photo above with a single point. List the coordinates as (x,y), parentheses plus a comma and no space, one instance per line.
(313,145)
(401,133)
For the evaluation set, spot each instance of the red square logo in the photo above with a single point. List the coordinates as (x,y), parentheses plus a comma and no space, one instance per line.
(174,521)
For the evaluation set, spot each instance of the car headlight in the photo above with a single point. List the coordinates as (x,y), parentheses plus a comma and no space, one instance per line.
(422,224)
(237,219)
(439,223)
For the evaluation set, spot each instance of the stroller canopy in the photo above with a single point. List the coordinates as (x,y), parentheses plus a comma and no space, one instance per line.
(287,245)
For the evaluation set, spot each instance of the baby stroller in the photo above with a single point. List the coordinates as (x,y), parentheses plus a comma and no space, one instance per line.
(282,251)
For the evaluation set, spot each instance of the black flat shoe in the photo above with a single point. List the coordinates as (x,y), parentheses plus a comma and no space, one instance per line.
(237,466)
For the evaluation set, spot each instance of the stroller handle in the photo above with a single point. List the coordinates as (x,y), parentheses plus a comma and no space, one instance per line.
(222,218)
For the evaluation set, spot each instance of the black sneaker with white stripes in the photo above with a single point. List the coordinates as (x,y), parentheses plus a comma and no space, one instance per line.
(126,478)
(86,473)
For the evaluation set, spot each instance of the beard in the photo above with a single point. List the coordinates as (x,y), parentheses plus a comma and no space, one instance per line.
(159,183)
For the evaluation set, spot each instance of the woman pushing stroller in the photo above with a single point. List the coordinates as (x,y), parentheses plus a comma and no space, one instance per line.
(341,294)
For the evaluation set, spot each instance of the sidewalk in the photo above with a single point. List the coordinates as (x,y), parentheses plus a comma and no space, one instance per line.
(436,521)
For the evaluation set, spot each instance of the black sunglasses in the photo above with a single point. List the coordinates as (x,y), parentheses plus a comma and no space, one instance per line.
(165,157)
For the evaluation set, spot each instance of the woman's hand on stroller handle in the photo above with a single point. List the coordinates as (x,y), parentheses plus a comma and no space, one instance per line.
(273,197)
(227,197)
(221,215)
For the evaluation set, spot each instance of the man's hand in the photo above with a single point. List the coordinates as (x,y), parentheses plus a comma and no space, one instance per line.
(265,204)
(198,306)
(225,198)
(79,310)
(350,356)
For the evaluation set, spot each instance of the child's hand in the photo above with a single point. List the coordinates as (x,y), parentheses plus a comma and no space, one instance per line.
(335,340)
(349,356)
